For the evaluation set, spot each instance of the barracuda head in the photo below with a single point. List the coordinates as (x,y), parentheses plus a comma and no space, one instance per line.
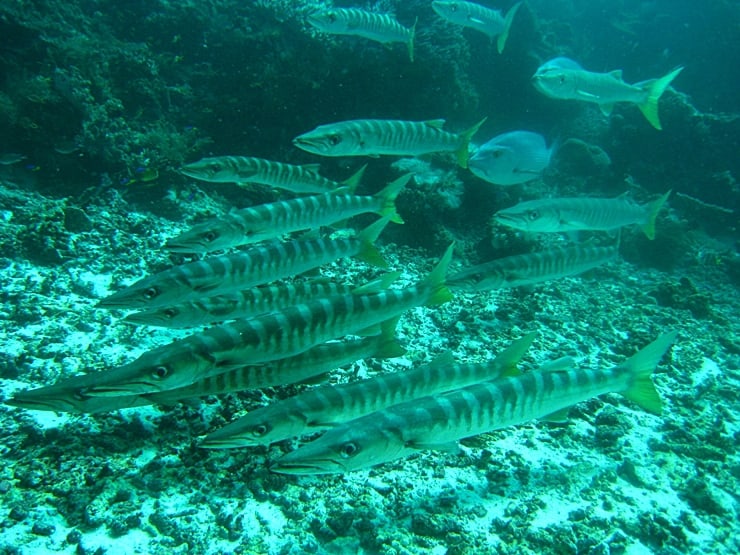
(216,170)
(219,234)
(452,11)
(346,448)
(329,21)
(69,396)
(171,366)
(534,216)
(556,78)
(333,139)
(149,292)
(260,427)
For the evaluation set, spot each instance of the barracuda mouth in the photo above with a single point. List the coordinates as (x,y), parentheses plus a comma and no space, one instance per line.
(317,466)
(226,443)
(302,141)
(133,388)
(502,217)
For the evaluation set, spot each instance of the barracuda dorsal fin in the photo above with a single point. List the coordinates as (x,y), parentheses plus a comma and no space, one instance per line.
(558,365)
(617,74)
(377,285)
(435,123)
(606,109)
(313,168)
(508,359)
(641,390)
(351,183)
(388,346)
(435,281)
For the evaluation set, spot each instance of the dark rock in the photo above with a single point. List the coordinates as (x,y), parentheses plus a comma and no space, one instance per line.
(43,529)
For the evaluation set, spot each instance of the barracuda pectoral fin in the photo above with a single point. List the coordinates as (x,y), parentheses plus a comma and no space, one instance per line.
(369,331)
(606,109)
(318,379)
(377,285)
(617,74)
(558,365)
(559,416)
(435,123)
(452,447)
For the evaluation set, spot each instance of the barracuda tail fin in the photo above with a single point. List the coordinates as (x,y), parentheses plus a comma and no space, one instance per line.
(501,40)
(411,39)
(506,361)
(462,151)
(655,89)
(388,346)
(368,251)
(641,390)
(653,208)
(388,198)
(351,183)
(438,293)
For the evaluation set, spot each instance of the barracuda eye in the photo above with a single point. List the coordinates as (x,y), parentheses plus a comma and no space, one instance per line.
(170,313)
(533,215)
(348,450)
(332,17)
(160,372)
(334,139)
(561,79)
(498,153)
(150,293)
(453,7)
(210,236)
(215,168)
(259,430)
(80,394)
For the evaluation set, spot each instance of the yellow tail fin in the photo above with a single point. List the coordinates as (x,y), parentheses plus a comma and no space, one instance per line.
(653,209)
(438,293)
(501,40)
(351,183)
(656,88)
(462,151)
(368,251)
(506,361)
(641,390)
(388,198)
(411,39)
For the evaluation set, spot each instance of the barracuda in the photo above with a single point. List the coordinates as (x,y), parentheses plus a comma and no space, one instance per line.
(527,269)
(581,213)
(71,395)
(330,405)
(480,18)
(382,28)
(255,266)
(269,221)
(242,304)
(272,336)
(374,137)
(246,169)
(440,421)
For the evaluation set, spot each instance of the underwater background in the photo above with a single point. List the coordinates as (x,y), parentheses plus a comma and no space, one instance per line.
(102,102)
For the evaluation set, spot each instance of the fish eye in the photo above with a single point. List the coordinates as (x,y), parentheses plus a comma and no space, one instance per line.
(150,293)
(80,394)
(215,168)
(561,79)
(533,215)
(170,312)
(259,430)
(334,139)
(160,372)
(453,7)
(210,236)
(349,449)
(332,17)
(498,153)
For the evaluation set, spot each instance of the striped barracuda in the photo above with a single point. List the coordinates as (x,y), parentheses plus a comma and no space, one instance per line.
(272,336)
(483,19)
(255,266)
(381,28)
(373,137)
(527,269)
(440,421)
(232,306)
(71,395)
(582,213)
(275,219)
(564,79)
(331,405)
(247,169)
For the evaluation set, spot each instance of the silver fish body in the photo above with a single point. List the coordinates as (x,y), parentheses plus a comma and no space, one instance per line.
(440,421)
(375,137)
(233,272)
(247,169)
(511,158)
(562,78)
(469,14)
(327,406)
(232,306)
(379,27)
(581,213)
(275,219)
(531,268)
(268,337)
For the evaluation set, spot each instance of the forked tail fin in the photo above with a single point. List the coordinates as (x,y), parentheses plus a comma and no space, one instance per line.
(501,39)
(653,208)
(462,151)
(655,89)
(435,281)
(641,390)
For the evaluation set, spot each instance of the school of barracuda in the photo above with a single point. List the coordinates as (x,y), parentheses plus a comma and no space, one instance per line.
(257,331)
